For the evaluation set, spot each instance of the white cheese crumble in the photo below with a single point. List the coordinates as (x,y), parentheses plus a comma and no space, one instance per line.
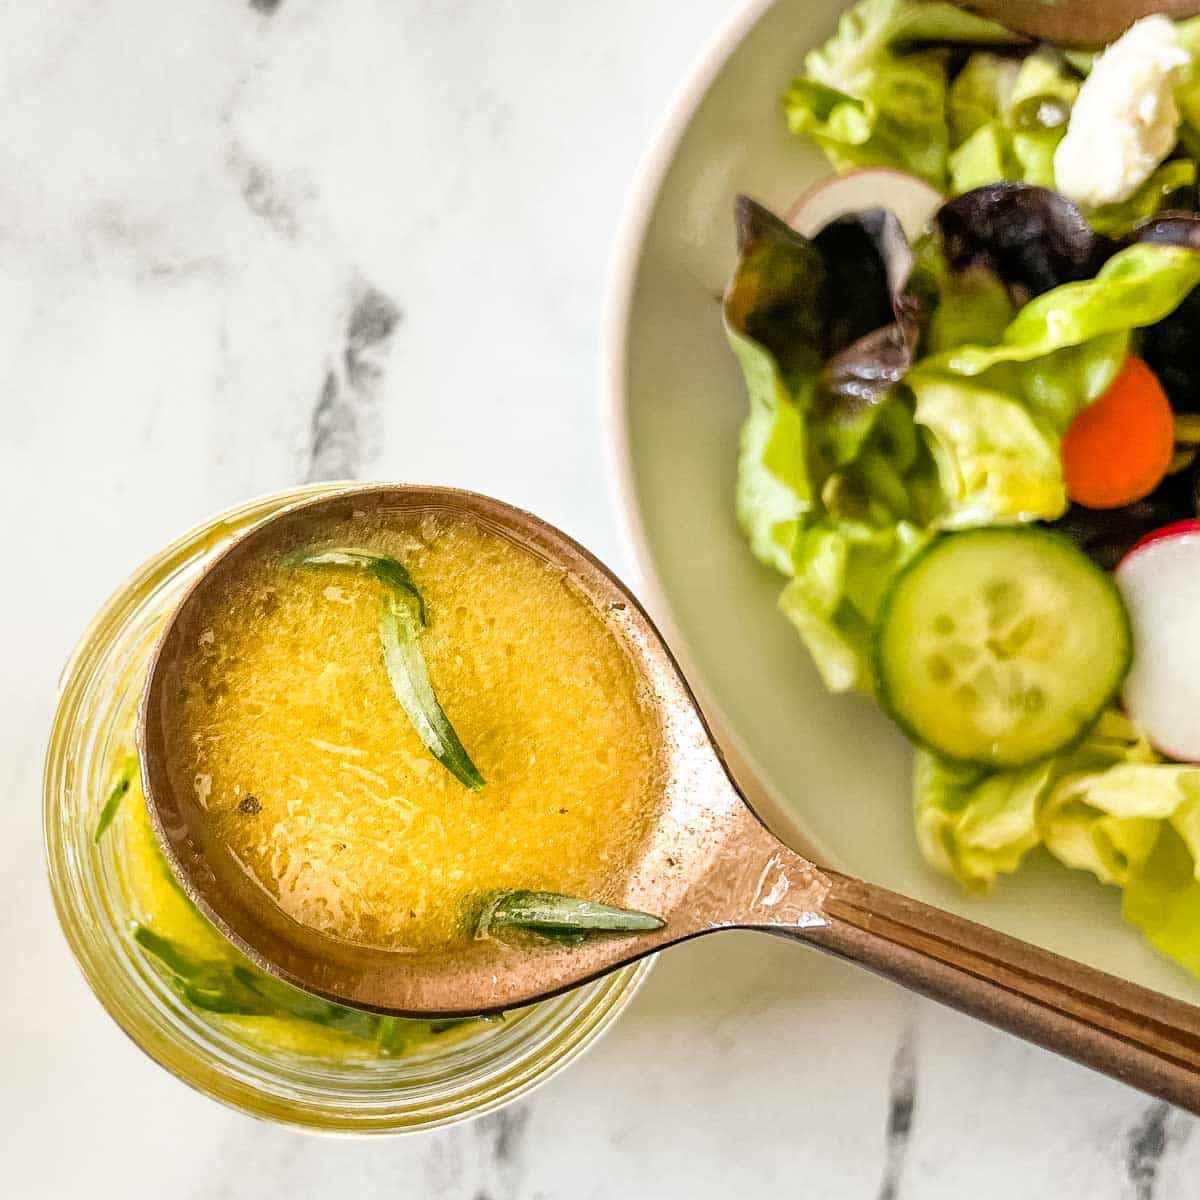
(1125,119)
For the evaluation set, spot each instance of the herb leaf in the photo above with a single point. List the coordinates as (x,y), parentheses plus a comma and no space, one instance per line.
(400,628)
(286,1000)
(562,917)
(241,990)
(387,570)
(120,788)
(401,637)
(208,986)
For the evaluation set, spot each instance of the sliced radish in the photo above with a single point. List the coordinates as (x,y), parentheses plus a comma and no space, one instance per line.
(912,200)
(1191,525)
(1160,581)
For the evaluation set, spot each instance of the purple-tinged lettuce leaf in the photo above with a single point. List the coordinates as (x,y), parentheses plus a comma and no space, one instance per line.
(1031,238)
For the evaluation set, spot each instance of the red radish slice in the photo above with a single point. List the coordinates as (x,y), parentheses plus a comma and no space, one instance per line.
(912,200)
(1160,581)
(1191,525)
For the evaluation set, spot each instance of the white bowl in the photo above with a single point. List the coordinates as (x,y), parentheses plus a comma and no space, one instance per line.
(829,773)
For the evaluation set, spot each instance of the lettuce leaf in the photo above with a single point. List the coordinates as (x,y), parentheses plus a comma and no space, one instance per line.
(773,491)
(1030,238)
(1012,118)
(995,415)
(774,321)
(980,94)
(1138,286)
(873,325)
(1172,186)
(1039,109)
(1187,94)
(997,462)
(1162,899)
(976,823)
(876,93)
(1137,826)
(1110,806)
(962,307)
(834,481)
(823,330)
(842,571)
(973,823)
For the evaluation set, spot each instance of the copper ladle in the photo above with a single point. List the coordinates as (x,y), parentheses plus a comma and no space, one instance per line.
(1076,22)
(710,864)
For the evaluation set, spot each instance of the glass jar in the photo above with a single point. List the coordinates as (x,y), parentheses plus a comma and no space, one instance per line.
(469,1074)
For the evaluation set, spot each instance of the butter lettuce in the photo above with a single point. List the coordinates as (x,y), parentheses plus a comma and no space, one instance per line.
(1138,286)
(980,94)
(1038,111)
(1171,186)
(1137,826)
(973,823)
(835,484)
(1162,898)
(773,491)
(977,823)
(996,461)
(1187,94)
(995,414)
(1111,806)
(876,93)
(774,321)
(1006,119)
(891,88)
(842,570)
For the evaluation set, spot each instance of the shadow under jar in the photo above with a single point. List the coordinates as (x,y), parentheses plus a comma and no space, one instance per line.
(355,1076)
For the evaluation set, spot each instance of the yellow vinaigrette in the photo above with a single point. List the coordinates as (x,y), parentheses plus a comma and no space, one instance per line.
(312,774)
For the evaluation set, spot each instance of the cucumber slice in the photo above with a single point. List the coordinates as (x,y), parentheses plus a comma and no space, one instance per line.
(1000,646)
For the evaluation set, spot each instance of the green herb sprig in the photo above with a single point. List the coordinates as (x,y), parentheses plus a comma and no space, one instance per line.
(126,774)
(242,990)
(400,624)
(563,918)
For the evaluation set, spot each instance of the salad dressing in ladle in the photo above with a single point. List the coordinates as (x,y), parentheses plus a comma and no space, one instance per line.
(706,864)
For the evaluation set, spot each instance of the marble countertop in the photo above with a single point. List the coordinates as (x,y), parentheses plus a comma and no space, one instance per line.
(245,243)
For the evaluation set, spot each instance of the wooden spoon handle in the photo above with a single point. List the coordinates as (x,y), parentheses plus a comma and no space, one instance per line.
(1145,1039)
(1076,22)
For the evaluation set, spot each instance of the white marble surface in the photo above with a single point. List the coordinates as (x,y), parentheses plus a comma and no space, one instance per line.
(249,242)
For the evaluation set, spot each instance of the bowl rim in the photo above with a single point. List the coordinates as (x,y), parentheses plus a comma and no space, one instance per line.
(620,285)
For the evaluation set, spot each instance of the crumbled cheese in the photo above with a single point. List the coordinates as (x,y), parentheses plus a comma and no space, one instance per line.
(1125,119)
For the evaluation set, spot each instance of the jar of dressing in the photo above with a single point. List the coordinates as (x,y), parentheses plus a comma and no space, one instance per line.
(159,968)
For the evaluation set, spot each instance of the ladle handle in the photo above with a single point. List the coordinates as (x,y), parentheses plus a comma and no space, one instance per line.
(1145,1039)
(1081,22)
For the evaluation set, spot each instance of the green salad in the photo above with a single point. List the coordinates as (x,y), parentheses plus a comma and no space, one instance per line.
(971,448)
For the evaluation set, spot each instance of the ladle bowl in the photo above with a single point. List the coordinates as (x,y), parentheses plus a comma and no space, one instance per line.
(708,865)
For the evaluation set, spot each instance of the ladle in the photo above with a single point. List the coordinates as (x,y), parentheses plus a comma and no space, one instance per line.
(1076,22)
(710,863)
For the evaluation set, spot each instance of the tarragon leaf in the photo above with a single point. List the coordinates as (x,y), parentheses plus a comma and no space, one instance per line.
(401,636)
(386,569)
(126,774)
(564,917)
(400,627)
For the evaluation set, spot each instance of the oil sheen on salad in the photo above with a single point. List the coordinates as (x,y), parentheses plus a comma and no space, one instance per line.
(412,733)
(972,359)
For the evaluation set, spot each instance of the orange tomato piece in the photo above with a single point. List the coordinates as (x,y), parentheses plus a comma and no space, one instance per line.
(1117,450)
